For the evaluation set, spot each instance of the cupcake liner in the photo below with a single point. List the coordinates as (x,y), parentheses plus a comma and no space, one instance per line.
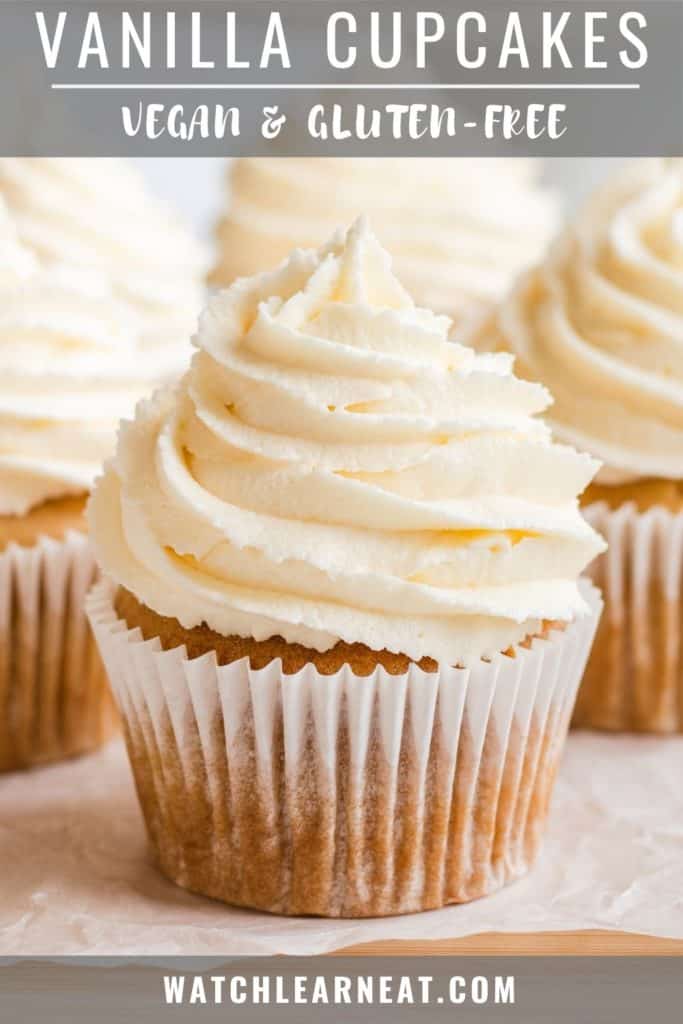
(54,695)
(634,678)
(343,795)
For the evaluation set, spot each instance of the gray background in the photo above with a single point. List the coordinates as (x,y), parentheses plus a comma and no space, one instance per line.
(37,120)
(561,990)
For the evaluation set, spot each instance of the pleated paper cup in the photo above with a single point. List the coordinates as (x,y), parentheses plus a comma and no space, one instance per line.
(54,694)
(634,679)
(343,795)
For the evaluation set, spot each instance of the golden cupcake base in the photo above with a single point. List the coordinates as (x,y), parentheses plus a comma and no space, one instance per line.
(53,689)
(53,519)
(339,795)
(634,677)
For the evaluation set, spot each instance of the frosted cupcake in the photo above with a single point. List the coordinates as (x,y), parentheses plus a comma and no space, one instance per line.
(98,214)
(601,323)
(459,230)
(72,362)
(342,616)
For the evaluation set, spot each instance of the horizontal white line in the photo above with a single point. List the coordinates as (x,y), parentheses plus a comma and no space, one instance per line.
(435,87)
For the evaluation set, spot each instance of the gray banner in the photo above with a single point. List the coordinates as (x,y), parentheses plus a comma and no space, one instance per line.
(321,77)
(528,990)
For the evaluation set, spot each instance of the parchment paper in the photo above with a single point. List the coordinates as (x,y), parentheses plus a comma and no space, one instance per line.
(75,875)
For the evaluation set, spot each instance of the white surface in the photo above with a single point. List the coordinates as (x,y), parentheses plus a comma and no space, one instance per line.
(76,876)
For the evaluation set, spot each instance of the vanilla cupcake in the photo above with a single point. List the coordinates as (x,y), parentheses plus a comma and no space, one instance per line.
(459,230)
(72,362)
(342,615)
(100,289)
(98,214)
(601,324)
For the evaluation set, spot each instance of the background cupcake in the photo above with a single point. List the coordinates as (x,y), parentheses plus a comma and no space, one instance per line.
(100,215)
(601,323)
(459,230)
(75,355)
(335,507)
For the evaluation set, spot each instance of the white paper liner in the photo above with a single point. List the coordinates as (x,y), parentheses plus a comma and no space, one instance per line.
(634,679)
(77,877)
(343,795)
(54,697)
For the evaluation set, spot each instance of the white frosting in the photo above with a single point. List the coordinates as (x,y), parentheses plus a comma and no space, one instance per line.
(71,364)
(16,262)
(332,467)
(601,324)
(98,214)
(459,230)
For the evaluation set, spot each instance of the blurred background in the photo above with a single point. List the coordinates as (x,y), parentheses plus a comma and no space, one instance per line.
(196,186)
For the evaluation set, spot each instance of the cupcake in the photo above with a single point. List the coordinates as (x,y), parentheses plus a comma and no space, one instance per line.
(98,214)
(341,610)
(73,360)
(601,323)
(459,230)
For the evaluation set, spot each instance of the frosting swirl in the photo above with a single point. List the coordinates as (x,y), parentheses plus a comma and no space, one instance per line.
(601,324)
(72,363)
(479,222)
(331,467)
(16,262)
(98,214)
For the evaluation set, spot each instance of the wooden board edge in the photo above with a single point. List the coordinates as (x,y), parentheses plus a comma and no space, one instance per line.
(574,943)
